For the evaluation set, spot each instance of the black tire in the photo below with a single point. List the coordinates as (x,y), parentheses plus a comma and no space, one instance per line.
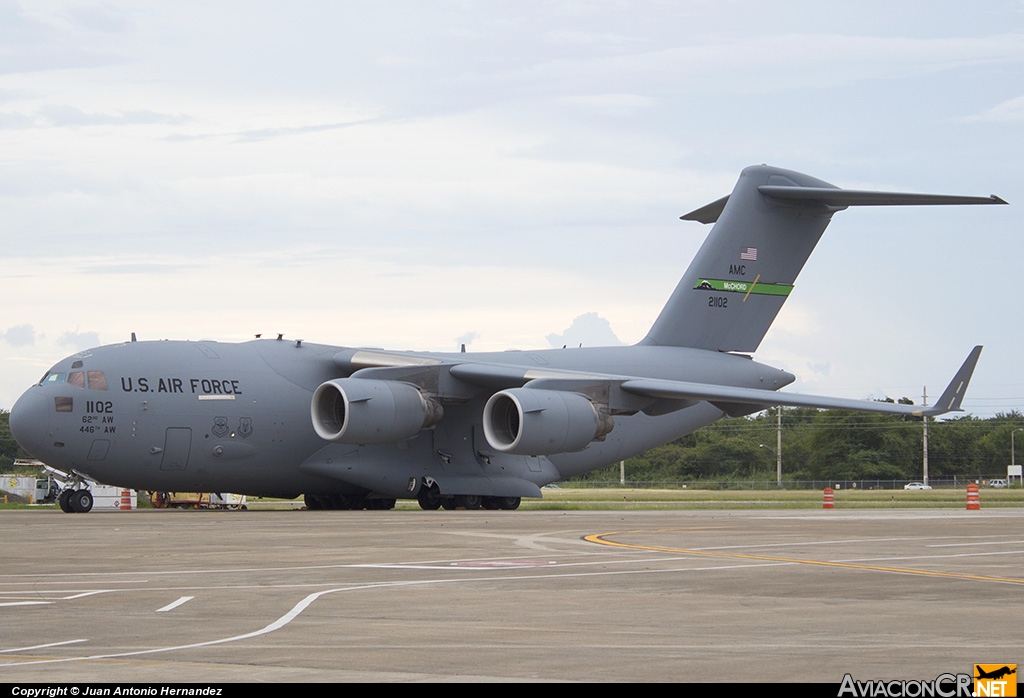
(468,501)
(491,503)
(313,502)
(65,501)
(343,502)
(81,501)
(509,503)
(380,504)
(448,504)
(429,498)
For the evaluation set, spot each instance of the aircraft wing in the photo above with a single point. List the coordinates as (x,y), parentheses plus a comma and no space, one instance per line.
(949,401)
(630,393)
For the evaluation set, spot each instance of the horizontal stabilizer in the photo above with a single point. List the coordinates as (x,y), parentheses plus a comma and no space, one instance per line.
(842,198)
(852,197)
(708,213)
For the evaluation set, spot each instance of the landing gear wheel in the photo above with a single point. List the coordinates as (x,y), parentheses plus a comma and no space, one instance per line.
(380,504)
(65,501)
(313,502)
(509,503)
(448,503)
(468,501)
(345,502)
(429,498)
(491,503)
(81,501)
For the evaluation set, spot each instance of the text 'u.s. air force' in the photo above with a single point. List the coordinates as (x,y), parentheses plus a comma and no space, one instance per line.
(195,386)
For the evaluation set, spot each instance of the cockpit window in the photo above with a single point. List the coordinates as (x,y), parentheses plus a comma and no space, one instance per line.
(63,404)
(97,381)
(94,379)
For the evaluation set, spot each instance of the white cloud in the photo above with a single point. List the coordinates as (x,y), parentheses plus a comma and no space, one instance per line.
(19,335)
(587,330)
(467,338)
(1009,112)
(79,340)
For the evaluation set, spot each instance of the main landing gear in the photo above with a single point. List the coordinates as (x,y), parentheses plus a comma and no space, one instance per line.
(319,502)
(431,499)
(75,501)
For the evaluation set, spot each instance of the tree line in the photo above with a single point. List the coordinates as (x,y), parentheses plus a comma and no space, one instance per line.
(829,445)
(9,448)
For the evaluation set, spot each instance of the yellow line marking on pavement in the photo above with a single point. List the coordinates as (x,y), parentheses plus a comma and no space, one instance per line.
(602,539)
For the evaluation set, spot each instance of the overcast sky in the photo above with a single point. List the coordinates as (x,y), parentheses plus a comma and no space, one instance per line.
(415,175)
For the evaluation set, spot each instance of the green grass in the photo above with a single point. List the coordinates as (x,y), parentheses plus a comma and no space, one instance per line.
(568,499)
(612,498)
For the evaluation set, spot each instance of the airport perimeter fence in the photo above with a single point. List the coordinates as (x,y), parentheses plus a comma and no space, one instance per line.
(939,483)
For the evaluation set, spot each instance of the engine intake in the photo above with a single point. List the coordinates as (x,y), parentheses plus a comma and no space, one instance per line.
(362,411)
(531,422)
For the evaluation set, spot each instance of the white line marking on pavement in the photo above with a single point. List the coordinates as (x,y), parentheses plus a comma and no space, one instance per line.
(173,605)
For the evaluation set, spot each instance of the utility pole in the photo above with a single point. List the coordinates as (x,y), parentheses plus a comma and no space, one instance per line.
(778,447)
(924,440)
(778,450)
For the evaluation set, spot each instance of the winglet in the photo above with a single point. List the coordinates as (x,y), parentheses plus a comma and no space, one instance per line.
(953,395)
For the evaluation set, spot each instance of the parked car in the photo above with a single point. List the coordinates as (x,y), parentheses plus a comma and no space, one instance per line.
(916,486)
(998,482)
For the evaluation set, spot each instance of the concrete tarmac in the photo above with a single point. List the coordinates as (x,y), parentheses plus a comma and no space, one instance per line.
(777,595)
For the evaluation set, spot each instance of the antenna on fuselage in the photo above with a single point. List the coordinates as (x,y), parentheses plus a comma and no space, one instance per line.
(133,337)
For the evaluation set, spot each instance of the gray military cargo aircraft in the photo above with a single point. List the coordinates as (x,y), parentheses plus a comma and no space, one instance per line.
(359,428)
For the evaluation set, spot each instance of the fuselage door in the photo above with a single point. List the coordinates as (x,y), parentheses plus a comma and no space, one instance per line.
(177,444)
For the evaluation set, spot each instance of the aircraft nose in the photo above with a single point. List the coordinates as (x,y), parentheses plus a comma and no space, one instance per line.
(30,420)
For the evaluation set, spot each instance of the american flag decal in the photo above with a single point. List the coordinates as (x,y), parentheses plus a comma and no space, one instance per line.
(749,254)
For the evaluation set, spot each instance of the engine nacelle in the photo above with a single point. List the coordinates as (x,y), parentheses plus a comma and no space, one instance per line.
(363,411)
(531,422)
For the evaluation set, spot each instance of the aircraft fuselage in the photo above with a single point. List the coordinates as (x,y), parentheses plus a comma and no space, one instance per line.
(214,417)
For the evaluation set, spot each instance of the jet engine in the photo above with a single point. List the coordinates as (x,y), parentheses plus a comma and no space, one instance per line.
(531,422)
(363,411)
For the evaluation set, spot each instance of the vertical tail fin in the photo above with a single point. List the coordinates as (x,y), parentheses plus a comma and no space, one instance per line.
(764,232)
